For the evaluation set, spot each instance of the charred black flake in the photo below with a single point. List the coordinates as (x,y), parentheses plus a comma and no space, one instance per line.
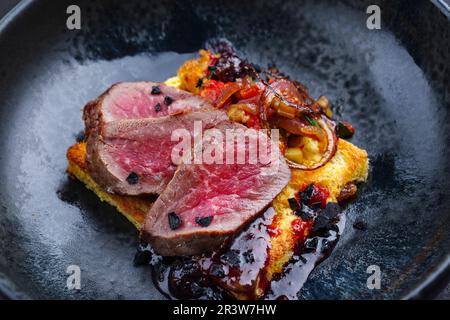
(216,270)
(305,212)
(310,245)
(133,178)
(168,100)
(293,204)
(248,256)
(142,258)
(174,220)
(203,221)
(232,257)
(323,225)
(156,90)
(199,83)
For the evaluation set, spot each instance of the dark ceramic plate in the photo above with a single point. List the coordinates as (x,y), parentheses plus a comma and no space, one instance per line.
(392,84)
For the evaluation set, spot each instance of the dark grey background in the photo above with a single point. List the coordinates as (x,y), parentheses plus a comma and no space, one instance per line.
(6,5)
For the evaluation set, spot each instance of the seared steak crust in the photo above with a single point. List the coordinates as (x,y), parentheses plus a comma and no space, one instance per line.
(129,128)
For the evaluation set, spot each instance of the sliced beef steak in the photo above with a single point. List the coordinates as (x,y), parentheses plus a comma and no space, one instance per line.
(135,156)
(138,100)
(206,203)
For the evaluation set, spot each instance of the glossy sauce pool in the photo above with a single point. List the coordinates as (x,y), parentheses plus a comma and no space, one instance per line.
(237,269)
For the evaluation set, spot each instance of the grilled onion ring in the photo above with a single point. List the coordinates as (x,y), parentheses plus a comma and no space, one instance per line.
(328,128)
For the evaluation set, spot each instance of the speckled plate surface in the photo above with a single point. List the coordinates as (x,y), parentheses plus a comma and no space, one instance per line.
(392,84)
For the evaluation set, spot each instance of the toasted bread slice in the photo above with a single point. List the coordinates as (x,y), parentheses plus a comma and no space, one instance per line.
(349,165)
(132,207)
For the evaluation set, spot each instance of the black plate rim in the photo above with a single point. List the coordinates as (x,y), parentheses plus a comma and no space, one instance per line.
(429,287)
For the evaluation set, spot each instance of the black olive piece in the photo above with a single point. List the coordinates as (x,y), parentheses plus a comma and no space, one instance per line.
(168,100)
(331,211)
(156,90)
(158,107)
(142,258)
(322,226)
(203,221)
(216,270)
(199,83)
(174,220)
(248,256)
(232,257)
(306,194)
(360,225)
(315,205)
(133,178)
(293,204)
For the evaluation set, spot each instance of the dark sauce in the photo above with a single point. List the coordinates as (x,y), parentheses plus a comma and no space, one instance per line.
(236,270)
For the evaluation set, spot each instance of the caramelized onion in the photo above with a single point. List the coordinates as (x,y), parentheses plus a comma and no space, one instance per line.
(228,91)
(286,93)
(329,134)
(298,127)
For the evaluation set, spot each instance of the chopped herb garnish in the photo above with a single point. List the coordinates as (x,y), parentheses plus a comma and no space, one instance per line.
(203,221)
(168,100)
(174,220)
(158,107)
(133,178)
(156,90)
(212,68)
(312,121)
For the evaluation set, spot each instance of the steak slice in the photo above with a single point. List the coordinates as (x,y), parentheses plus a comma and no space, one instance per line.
(206,203)
(134,157)
(138,100)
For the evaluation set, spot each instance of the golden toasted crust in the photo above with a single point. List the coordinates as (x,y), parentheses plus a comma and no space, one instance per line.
(350,164)
(132,207)
(192,70)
